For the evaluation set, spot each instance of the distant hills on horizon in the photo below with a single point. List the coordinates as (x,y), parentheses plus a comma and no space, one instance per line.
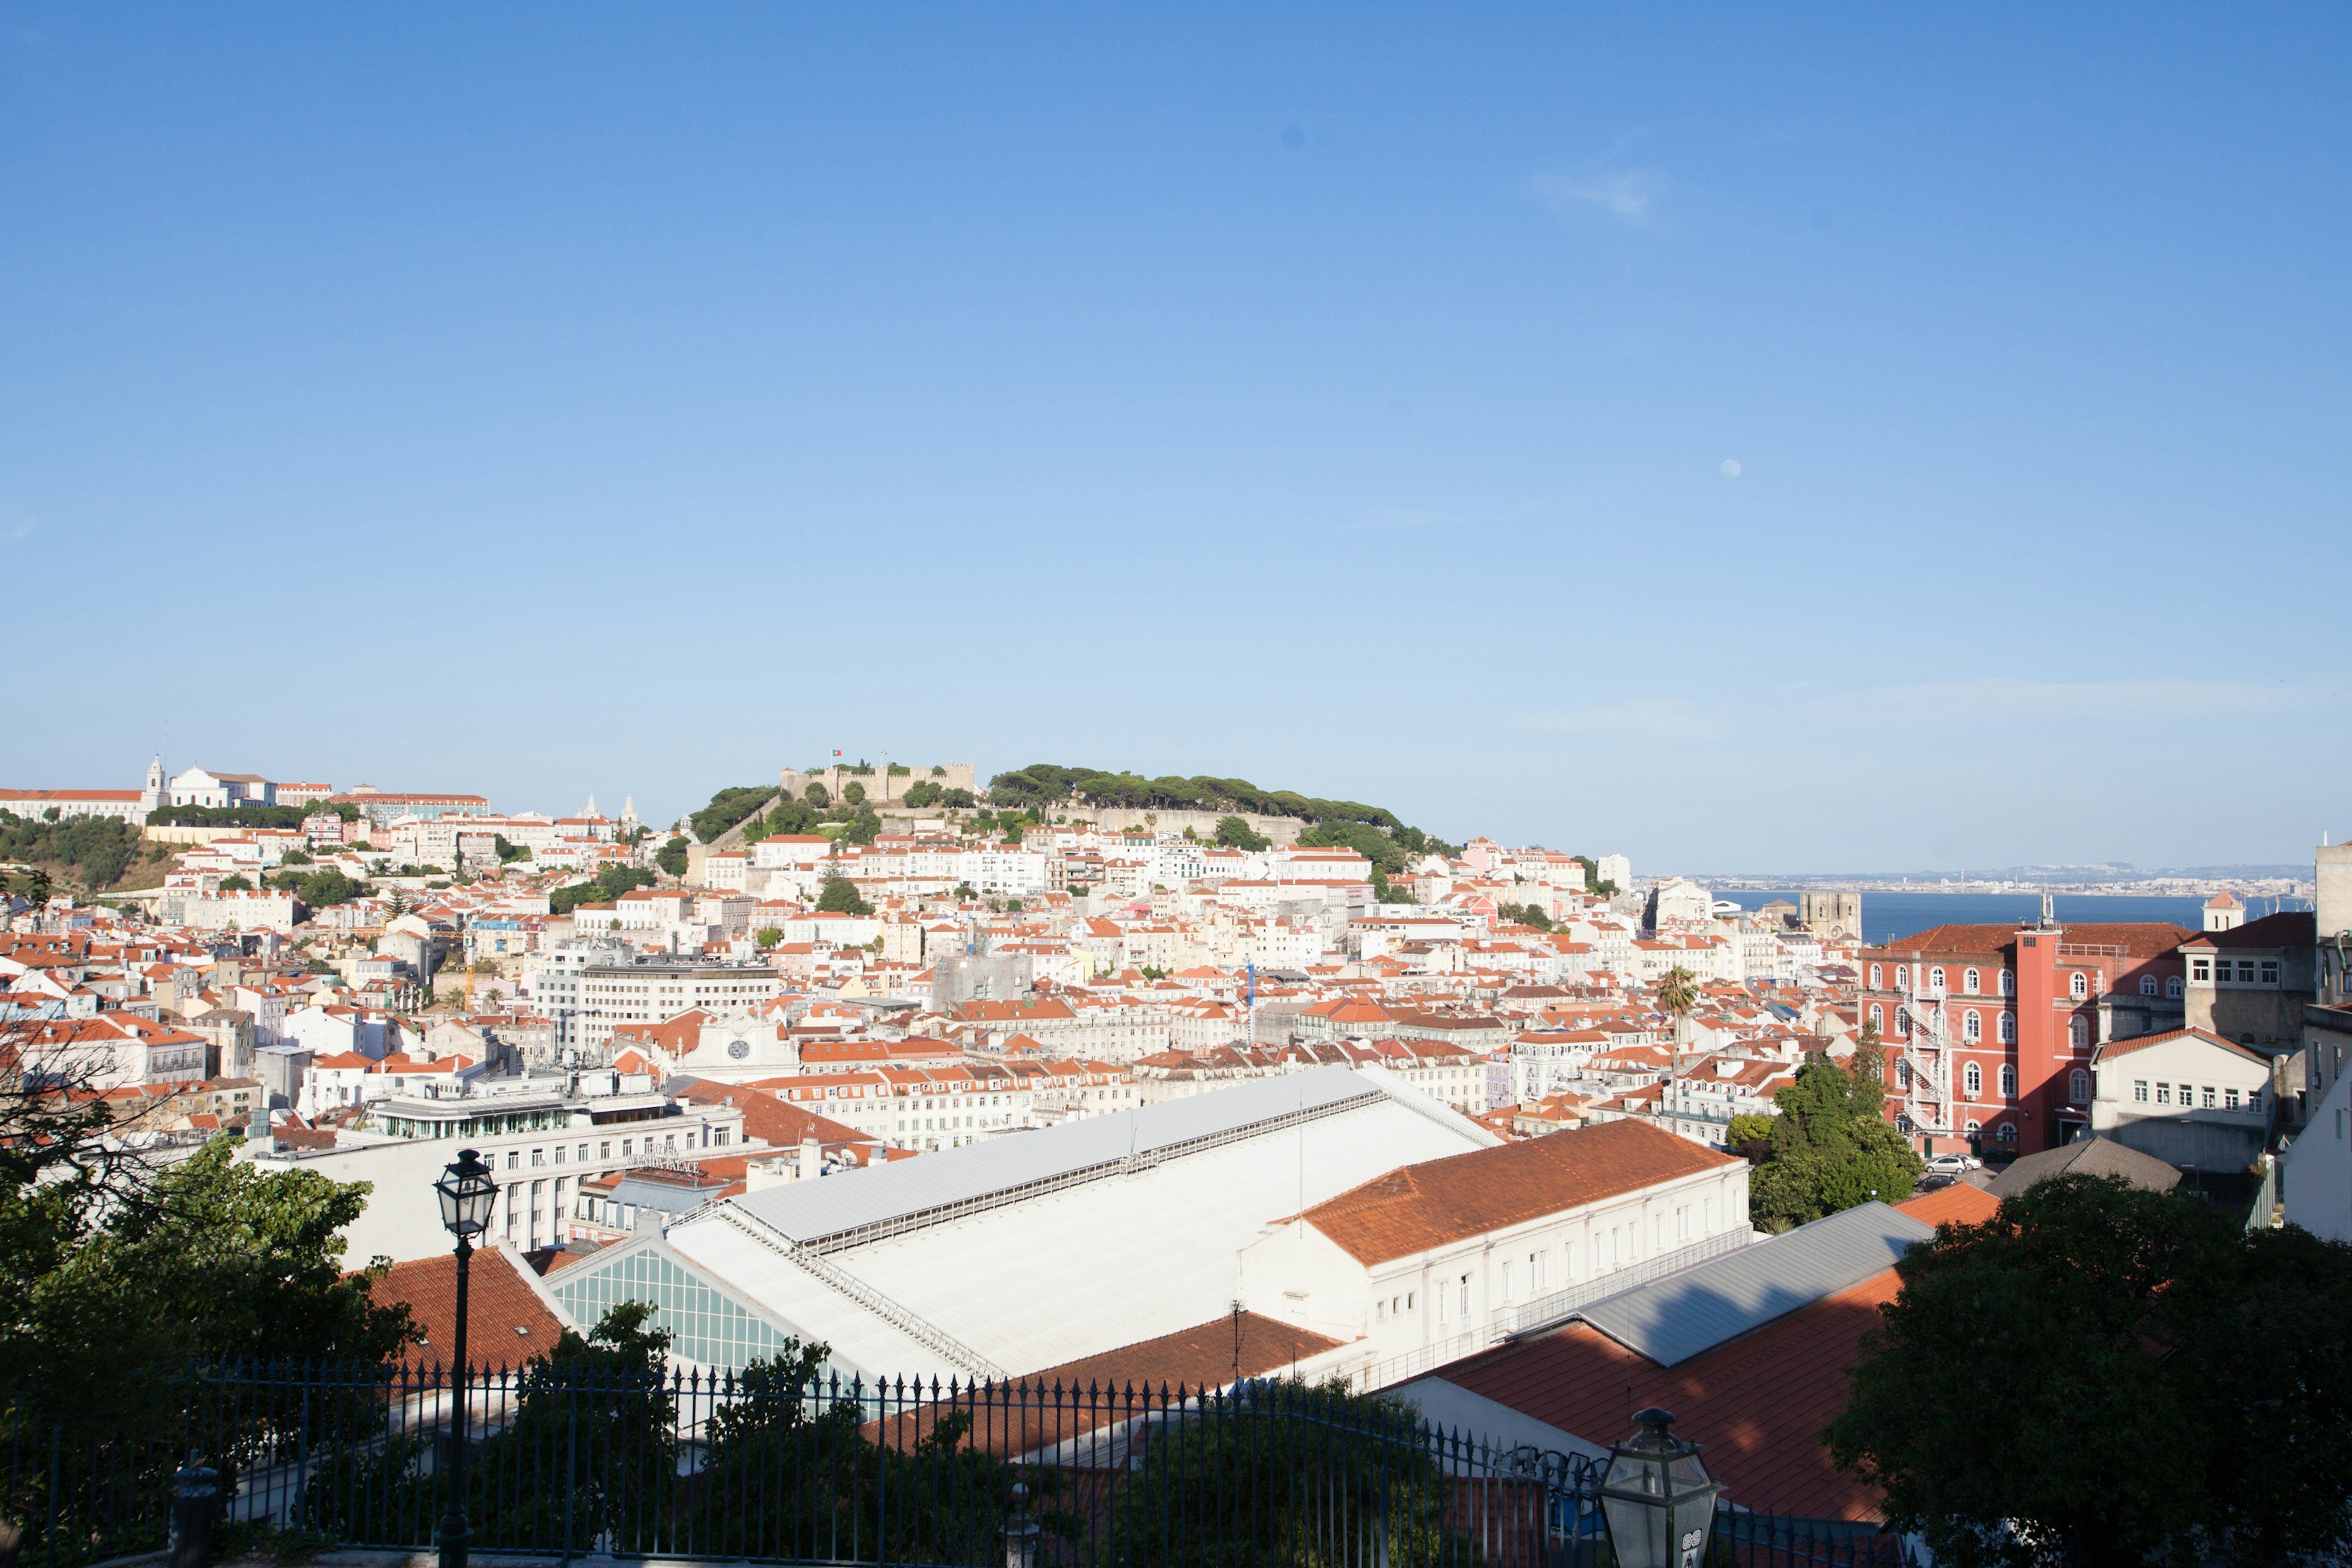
(2104,871)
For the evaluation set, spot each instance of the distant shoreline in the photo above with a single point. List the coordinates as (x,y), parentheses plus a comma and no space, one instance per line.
(1898,912)
(2180,886)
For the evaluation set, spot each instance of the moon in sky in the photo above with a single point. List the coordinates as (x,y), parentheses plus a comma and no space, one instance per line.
(1730,467)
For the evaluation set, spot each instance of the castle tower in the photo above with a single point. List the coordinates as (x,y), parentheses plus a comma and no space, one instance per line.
(2223,911)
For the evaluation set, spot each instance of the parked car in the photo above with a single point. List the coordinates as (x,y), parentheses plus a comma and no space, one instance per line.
(1952,1165)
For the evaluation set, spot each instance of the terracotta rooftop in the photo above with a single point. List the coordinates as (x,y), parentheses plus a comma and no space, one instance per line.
(508,1321)
(1100,1390)
(1758,1402)
(1415,1208)
(2288,928)
(2204,1037)
(2139,939)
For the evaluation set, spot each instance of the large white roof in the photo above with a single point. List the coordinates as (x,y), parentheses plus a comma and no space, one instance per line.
(1012,1257)
(905,1191)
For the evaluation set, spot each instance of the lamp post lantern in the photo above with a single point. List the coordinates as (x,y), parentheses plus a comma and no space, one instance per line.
(468,1194)
(1657,1498)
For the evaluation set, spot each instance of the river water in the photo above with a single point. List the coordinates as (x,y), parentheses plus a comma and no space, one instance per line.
(1885,915)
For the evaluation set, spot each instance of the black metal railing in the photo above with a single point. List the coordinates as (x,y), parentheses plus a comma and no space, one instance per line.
(565,1462)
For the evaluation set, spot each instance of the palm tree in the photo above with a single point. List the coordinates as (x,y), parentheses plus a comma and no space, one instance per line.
(1678,993)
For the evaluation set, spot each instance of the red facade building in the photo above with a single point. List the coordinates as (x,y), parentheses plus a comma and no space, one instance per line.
(1988,1030)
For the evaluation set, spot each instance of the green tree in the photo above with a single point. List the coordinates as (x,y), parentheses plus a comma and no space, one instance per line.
(1830,1147)
(96,848)
(854,792)
(957,799)
(1526,915)
(922,1493)
(509,853)
(863,827)
(602,1401)
(1750,1134)
(607,885)
(321,889)
(233,815)
(236,882)
(728,807)
(2101,1376)
(1236,833)
(672,859)
(817,796)
(211,1258)
(1263,1479)
(841,896)
(920,793)
(767,936)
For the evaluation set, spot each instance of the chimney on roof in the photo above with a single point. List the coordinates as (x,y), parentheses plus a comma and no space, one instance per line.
(811,1156)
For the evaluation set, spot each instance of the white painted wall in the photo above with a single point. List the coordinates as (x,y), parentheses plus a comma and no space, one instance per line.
(2317,1168)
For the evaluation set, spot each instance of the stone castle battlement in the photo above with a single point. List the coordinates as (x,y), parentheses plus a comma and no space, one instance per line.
(882,785)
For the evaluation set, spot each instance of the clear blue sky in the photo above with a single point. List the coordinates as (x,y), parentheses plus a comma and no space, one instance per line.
(541,399)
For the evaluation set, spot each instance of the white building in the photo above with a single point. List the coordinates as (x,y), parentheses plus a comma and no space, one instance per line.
(239,911)
(112,1050)
(554,986)
(2188,1097)
(1026,1252)
(539,1135)
(2315,1170)
(334,1030)
(197,786)
(1442,1257)
(653,990)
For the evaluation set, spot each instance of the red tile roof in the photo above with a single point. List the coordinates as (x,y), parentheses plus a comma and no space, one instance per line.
(2141,1042)
(1758,1403)
(771,1121)
(2288,928)
(1006,1421)
(499,1303)
(1959,1204)
(1415,1208)
(2137,938)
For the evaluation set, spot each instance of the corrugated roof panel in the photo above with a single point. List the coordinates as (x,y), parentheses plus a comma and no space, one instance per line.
(804,1210)
(1046,1280)
(1671,1320)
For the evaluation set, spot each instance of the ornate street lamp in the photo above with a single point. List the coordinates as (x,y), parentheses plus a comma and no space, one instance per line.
(1657,1498)
(468,1194)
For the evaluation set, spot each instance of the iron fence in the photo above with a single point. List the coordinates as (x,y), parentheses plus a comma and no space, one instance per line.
(565,1462)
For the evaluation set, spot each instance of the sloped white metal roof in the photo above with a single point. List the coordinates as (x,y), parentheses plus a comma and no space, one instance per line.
(899,1190)
(1678,1316)
(1065,1271)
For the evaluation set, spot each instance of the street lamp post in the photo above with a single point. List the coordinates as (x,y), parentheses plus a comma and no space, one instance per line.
(468,1194)
(1657,1498)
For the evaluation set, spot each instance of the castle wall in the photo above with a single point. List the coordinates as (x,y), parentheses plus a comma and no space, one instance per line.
(882,786)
